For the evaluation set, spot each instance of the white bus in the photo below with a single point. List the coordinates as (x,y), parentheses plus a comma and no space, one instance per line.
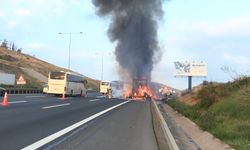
(104,87)
(67,83)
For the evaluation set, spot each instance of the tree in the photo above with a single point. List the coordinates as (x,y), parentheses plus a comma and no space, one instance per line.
(19,50)
(13,47)
(4,44)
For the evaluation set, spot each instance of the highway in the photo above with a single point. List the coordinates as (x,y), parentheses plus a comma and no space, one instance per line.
(47,122)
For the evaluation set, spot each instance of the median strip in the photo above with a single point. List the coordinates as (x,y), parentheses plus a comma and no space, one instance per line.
(58,134)
(54,106)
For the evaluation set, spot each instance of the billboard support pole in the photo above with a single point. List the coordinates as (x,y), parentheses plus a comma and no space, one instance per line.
(190,84)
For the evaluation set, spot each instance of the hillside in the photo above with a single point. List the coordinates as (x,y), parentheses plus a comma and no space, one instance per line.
(221,109)
(34,70)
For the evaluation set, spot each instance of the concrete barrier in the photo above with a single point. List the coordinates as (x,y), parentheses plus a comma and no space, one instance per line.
(163,135)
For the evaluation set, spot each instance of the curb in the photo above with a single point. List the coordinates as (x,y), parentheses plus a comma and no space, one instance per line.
(164,137)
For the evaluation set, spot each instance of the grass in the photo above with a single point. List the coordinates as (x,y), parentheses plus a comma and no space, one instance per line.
(224,111)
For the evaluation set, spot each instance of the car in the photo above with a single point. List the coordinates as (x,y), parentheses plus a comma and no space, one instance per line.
(2,91)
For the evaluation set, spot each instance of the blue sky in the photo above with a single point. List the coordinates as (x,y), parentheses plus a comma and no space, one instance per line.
(214,31)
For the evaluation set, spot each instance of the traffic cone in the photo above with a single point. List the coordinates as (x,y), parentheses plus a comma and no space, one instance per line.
(5,100)
(63,97)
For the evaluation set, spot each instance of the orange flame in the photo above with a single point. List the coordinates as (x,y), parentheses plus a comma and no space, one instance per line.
(127,91)
(142,90)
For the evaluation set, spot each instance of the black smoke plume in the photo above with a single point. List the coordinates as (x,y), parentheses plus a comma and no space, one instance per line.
(134,28)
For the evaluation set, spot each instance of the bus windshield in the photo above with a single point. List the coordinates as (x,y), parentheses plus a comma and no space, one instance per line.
(105,83)
(57,75)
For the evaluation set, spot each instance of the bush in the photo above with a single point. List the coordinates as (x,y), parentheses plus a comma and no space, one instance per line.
(206,120)
(211,94)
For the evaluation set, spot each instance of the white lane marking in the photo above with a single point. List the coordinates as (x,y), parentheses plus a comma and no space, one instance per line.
(56,135)
(93,100)
(65,98)
(16,102)
(100,96)
(34,96)
(53,106)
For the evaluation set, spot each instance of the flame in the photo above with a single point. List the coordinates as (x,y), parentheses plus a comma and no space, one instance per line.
(127,91)
(144,90)
(140,93)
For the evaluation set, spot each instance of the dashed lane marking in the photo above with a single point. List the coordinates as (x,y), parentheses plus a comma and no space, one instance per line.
(34,96)
(94,100)
(54,106)
(16,102)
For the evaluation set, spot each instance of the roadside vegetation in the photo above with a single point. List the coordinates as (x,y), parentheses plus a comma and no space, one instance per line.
(223,110)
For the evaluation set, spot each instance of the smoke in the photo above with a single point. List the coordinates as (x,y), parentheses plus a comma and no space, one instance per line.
(134,28)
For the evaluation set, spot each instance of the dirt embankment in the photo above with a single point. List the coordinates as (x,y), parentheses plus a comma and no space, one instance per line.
(191,98)
(34,70)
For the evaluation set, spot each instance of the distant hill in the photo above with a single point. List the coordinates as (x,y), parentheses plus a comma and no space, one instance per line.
(34,70)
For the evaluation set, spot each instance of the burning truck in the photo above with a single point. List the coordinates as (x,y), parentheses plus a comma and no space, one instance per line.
(140,89)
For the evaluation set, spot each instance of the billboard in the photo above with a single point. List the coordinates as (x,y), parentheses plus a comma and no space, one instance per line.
(198,69)
(7,79)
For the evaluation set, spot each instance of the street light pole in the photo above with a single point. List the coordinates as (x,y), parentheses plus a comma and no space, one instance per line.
(70,33)
(101,54)
(69,50)
(102,69)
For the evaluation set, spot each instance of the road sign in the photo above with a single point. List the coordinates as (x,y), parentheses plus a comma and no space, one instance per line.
(21,80)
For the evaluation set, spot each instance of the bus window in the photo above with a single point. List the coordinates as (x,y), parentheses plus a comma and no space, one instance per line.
(57,75)
(105,83)
(74,78)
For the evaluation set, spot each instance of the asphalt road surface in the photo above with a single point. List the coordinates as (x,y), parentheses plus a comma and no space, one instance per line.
(32,119)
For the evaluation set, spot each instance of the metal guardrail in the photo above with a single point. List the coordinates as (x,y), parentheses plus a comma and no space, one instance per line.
(23,91)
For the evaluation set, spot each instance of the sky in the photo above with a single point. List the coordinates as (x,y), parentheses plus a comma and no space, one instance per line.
(213,31)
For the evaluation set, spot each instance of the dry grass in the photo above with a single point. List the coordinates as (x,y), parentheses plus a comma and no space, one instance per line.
(12,62)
